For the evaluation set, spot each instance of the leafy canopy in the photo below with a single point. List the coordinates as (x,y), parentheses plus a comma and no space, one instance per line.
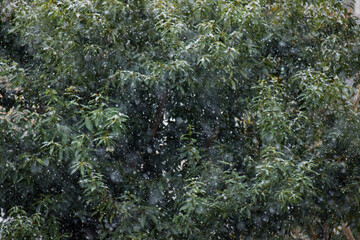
(177,119)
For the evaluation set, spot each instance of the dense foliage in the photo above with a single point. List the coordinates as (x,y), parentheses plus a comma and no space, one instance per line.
(178,119)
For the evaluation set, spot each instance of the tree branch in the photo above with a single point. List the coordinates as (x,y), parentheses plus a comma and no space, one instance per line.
(356,105)
(159,114)
(346,230)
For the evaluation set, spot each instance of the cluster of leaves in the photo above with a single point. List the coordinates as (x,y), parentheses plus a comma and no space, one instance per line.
(177,119)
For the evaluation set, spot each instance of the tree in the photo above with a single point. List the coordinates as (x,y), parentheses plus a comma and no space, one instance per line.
(167,119)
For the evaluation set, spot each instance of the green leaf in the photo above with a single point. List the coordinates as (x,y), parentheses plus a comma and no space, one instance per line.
(88,124)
